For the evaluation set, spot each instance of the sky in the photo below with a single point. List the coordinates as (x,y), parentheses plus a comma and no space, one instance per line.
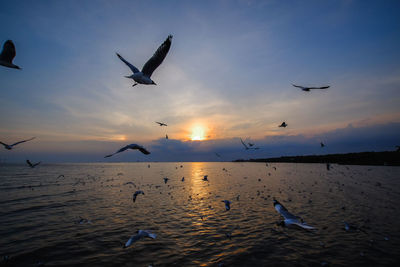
(228,75)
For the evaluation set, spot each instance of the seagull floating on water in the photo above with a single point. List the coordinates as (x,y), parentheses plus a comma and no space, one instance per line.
(9,147)
(140,234)
(161,123)
(290,219)
(31,164)
(143,77)
(131,146)
(205,178)
(307,89)
(136,194)
(283,124)
(227,204)
(7,55)
(183,179)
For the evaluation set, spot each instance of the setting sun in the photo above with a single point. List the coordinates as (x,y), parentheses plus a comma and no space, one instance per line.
(198,133)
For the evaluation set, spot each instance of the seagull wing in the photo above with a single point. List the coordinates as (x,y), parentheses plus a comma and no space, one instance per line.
(8,52)
(29,163)
(303,225)
(244,143)
(34,165)
(22,141)
(5,145)
(323,87)
(157,58)
(143,150)
(284,212)
(298,86)
(133,68)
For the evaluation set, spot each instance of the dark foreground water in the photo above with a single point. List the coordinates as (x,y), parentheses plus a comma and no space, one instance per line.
(40,215)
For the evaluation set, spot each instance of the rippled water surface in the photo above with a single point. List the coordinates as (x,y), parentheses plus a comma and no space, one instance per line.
(40,214)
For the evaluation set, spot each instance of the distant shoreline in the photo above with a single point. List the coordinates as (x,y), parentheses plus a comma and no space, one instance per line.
(384,158)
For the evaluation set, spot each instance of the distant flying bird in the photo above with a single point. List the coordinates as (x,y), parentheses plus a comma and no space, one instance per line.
(131,146)
(218,155)
(136,194)
(290,219)
(143,77)
(161,123)
(166,180)
(8,54)
(140,234)
(227,204)
(166,136)
(307,89)
(322,144)
(283,124)
(9,147)
(31,164)
(246,147)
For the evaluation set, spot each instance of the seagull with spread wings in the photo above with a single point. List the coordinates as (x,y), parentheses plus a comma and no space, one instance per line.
(143,77)
(32,165)
(131,146)
(246,147)
(308,88)
(7,55)
(9,147)
(283,124)
(290,219)
(161,123)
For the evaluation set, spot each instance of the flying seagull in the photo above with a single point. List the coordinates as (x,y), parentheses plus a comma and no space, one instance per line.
(307,89)
(31,164)
(131,146)
(246,147)
(140,234)
(227,204)
(290,219)
(166,136)
(165,180)
(136,194)
(322,144)
(161,123)
(8,54)
(9,147)
(143,77)
(283,124)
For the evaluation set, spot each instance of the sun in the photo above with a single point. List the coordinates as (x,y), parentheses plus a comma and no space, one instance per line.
(198,133)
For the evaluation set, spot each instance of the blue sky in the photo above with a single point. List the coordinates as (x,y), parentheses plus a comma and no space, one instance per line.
(229,71)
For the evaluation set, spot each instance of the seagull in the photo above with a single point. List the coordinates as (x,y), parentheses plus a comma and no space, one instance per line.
(307,89)
(140,234)
(322,144)
(246,147)
(7,55)
(284,124)
(227,204)
(31,164)
(166,136)
(161,123)
(137,193)
(205,178)
(166,180)
(143,77)
(183,179)
(251,144)
(9,147)
(290,219)
(131,146)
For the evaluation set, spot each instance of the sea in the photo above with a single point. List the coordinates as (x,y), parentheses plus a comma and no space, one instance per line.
(83,214)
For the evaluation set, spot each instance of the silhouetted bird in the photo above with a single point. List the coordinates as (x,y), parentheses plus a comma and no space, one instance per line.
(246,147)
(7,55)
(166,136)
(31,164)
(136,194)
(161,123)
(227,204)
(322,144)
(143,77)
(9,147)
(131,146)
(307,89)
(290,219)
(283,124)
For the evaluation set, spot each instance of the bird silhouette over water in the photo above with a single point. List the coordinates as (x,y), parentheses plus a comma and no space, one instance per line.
(143,77)
(32,165)
(9,147)
(290,219)
(131,146)
(227,204)
(247,147)
(322,144)
(283,124)
(7,55)
(161,123)
(307,89)
(136,194)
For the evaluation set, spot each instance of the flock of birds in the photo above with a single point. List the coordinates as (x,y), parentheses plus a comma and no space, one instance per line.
(140,77)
